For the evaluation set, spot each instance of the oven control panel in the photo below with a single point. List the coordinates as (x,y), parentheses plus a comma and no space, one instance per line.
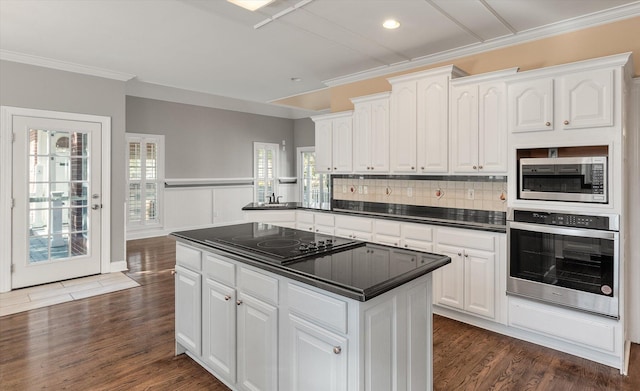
(563,219)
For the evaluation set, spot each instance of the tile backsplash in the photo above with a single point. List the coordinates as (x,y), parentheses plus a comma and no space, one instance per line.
(464,193)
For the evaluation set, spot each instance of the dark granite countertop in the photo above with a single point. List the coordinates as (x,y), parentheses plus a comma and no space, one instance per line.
(360,272)
(481,220)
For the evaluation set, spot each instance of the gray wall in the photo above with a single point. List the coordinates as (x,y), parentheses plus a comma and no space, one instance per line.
(304,131)
(48,89)
(204,142)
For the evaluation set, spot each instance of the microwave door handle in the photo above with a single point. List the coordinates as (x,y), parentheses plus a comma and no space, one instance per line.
(568,231)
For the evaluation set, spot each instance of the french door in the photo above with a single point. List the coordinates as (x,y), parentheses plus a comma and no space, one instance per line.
(57,201)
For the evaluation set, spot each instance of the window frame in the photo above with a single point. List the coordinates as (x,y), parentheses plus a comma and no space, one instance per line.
(276,164)
(300,163)
(144,139)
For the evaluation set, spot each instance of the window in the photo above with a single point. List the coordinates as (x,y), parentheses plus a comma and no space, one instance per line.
(145,178)
(315,189)
(265,171)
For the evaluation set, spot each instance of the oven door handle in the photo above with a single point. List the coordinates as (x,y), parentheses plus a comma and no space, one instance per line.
(549,229)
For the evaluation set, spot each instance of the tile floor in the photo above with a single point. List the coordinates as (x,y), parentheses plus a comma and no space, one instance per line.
(59,292)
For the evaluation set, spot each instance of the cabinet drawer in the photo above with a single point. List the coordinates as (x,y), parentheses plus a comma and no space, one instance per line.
(388,228)
(188,257)
(322,309)
(258,285)
(465,239)
(417,232)
(567,325)
(219,269)
(304,217)
(325,219)
(354,223)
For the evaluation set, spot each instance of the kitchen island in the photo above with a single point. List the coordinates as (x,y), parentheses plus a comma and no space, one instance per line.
(270,308)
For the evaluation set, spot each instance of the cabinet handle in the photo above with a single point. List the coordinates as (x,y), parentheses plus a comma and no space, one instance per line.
(395,244)
(413,168)
(335,168)
(480,167)
(547,123)
(317,230)
(406,245)
(466,255)
(310,229)
(239,302)
(566,122)
(459,254)
(227,297)
(475,167)
(422,168)
(328,168)
(337,349)
(371,168)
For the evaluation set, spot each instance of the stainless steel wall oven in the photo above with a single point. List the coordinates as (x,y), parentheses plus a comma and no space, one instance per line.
(566,259)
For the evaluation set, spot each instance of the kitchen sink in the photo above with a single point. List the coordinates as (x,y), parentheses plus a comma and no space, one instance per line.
(283,205)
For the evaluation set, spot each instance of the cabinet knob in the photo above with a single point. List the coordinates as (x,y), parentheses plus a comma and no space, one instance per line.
(480,167)
(371,168)
(466,255)
(395,244)
(566,122)
(173,272)
(406,245)
(310,229)
(337,349)
(317,230)
(413,168)
(475,167)
(422,168)
(459,254)
(328,168)
(335,168)
(547,123)
(227,297)
(239,302)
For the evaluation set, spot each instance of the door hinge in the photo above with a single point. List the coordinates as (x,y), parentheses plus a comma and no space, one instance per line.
(13,137)
(13,203)
(13,268)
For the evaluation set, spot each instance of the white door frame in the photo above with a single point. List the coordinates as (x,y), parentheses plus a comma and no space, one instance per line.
(6,140)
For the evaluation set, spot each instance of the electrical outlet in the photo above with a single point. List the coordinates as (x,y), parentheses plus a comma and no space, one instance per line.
(471,194)
(409,192)
(366,189)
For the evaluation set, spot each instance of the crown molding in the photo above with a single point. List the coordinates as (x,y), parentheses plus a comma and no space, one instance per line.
(63,65)
(579,23)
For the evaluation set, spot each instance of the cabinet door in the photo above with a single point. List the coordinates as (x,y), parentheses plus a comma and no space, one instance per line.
(492,129)
(188,287)
(342,144)
(362,137)
(219,326)
(403,127)
(479,280)
(587,99)
(448,281)
(464,128)
(379,136)
(257,344)
(324,145)
(318,357)
(433,124)
(531,105)
(417,237)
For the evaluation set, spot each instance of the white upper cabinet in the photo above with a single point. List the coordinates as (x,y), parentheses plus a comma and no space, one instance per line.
(371,134)
(419,121)
(574,100)
(334,142)
(478,124)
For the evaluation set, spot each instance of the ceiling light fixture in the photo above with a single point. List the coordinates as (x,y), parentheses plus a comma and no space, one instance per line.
(391,24)
(296,79)
(251,5)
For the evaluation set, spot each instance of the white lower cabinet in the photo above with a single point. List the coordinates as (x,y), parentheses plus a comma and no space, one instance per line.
(318,357)
(257,344)
(469,282)
(219,323)
(188,288)
(360,228)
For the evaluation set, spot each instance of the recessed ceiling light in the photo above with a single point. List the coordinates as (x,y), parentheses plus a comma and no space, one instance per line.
(251,5)
(391,24)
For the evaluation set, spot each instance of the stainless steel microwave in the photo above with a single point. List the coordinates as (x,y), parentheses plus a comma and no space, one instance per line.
(576,179)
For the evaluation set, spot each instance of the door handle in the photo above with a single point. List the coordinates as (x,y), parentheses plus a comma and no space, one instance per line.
(96,206)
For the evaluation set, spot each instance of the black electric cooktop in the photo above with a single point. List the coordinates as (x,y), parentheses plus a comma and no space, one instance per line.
(275,244)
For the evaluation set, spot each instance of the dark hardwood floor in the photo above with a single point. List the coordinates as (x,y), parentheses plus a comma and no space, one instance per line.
(124,341)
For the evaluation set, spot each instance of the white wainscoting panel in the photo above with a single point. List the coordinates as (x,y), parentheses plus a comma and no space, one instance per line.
(228,203)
